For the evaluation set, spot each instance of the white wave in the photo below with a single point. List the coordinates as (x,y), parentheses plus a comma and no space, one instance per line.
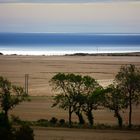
(39,50)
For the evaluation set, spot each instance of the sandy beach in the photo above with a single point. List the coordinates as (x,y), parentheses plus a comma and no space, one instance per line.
(42,68)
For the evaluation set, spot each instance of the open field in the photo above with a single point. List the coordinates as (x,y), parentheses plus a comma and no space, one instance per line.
(84,134)
(42,68)
(40,108)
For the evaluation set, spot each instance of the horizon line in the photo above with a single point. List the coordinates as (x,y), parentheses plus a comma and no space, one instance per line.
(64,2)
(65,33)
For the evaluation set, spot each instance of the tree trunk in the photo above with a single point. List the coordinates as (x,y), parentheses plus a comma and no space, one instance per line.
(90,117)
(70,116)
(130,110)
(80,117)
(118,116)
(6,114)
(6,120)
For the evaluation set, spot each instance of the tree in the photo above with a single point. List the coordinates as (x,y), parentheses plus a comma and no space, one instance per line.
(77,94)
(80,100)
(69,86)
(114,100)
(92,93)
(10,95)
(128,80)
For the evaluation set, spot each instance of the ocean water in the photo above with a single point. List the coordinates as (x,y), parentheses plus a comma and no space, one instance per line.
(61,44)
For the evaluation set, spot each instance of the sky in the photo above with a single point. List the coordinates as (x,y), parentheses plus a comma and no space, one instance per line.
(70,16)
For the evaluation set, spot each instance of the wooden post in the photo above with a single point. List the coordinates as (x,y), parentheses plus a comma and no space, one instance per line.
(26,83)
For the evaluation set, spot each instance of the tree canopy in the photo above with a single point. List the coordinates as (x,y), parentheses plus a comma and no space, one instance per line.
(76,93)
(10,95)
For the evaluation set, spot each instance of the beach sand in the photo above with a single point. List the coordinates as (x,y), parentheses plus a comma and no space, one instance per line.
(42,68)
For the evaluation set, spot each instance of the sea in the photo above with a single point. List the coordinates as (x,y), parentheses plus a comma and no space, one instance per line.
(67,43)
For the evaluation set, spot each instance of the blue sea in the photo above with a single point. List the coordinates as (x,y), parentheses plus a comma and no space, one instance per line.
(67,43)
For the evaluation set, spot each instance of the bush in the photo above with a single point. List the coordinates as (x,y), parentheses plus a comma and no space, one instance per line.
(53,120)
(15,119)
(25,132)
(42,122)
(6,134)
(5,128)
(62,122)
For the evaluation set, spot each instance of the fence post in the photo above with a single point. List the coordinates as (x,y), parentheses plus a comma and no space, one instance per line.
(26,83)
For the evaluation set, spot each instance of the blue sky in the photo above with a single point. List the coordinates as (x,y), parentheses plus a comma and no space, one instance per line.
(86,16)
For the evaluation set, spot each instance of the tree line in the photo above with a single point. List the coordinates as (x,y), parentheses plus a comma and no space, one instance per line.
(83,94)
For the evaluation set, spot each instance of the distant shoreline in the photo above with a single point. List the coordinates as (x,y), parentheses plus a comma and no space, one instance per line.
(82,54)
(105,54)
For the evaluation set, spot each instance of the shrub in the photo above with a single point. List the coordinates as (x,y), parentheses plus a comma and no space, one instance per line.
(42,122)
(15,119)
(53,120)
(61,122)
(25,132)
(5,128)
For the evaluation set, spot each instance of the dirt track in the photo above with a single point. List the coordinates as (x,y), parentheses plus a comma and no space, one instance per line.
(84,134)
